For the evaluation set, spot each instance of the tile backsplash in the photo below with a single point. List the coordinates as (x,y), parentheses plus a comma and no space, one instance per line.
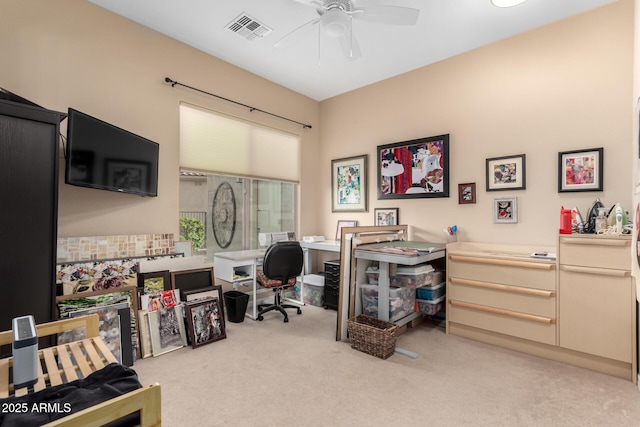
(107,247)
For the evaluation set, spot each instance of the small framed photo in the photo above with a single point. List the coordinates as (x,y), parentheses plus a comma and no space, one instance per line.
(349,184)
(506,173)
(580,170)
(344,223)
(505,210)
(466,193)
(385,216)
(154,282)
(205,321)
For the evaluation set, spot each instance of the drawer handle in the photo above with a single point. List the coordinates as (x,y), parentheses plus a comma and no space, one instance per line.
(503,312)
(598,271)
(507,288)
(596,242)
(504,262)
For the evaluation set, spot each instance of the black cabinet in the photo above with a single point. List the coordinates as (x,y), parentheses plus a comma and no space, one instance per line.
(331,284)
(29,157)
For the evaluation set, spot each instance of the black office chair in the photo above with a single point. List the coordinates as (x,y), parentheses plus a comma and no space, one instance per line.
(282,264)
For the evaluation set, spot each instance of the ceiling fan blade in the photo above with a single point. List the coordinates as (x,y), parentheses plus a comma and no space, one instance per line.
(350,46)
(394,15)
(295,35)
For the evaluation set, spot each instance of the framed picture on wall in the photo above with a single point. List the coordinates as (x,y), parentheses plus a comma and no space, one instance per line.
(466,193)
(385,216)
(580,170)
(506,173)
(505,210)
(414,169)
(349,184)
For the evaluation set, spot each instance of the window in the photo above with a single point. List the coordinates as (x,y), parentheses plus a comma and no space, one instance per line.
(239,179)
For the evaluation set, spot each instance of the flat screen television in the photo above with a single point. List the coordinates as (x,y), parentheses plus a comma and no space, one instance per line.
(103,156)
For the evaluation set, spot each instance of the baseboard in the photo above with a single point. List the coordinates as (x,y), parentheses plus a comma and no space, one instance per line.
(599,364)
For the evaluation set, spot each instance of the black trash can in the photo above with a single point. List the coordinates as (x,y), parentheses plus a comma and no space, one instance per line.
(236,303)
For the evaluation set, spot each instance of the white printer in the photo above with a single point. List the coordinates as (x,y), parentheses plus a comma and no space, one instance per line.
(266,239)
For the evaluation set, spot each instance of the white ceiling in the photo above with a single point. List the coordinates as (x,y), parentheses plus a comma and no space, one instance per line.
(445,28)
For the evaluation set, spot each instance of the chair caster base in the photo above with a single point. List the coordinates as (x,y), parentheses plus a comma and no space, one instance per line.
(260,317)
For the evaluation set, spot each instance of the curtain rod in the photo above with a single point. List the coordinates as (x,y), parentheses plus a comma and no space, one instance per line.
(251,109)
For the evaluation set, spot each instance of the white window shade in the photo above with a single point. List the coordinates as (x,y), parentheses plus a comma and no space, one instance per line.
(215,143)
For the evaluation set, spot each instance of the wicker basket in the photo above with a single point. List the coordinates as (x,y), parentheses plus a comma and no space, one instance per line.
(372,336)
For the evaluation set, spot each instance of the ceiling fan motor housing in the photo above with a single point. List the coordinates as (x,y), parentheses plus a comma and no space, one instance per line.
(335,22)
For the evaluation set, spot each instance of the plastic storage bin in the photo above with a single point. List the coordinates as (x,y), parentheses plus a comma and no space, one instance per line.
(430,307)
(401,301)
(431,292)
(313,290)
(372,275)
(413,276)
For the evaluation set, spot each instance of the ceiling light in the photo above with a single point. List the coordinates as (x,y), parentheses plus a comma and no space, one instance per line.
(335,22)
(506,3)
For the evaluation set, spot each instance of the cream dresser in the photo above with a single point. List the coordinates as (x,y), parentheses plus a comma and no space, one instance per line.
(501,295)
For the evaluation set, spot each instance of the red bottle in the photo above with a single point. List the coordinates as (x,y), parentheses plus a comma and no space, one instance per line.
(565,221)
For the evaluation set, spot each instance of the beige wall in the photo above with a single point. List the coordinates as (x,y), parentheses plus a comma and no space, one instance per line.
(70,53)
(561,87)
(565,86)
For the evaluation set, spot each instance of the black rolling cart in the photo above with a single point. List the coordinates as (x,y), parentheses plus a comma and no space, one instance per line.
(331,284)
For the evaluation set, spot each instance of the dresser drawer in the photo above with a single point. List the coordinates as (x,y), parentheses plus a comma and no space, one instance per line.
(518,273)
(534,328)
(614,253)
(513,298)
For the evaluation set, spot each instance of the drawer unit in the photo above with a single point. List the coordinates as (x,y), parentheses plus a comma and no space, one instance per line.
(510,295)
(581,310)
(331,284)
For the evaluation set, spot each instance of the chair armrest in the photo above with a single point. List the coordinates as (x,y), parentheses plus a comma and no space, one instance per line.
(90,322)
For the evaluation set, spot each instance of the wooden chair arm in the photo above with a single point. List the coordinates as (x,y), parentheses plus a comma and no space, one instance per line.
(90,322)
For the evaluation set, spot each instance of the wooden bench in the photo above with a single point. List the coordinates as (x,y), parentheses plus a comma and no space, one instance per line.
(68,362)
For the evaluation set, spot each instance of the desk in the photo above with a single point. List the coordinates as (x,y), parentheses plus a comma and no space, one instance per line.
(325,245)
(384,259)
(226,264)
(62,364)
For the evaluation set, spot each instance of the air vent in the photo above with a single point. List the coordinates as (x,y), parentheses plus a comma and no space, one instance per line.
(248,28)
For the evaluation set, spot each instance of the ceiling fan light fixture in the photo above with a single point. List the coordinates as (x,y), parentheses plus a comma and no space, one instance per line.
(506,3)
(335,22)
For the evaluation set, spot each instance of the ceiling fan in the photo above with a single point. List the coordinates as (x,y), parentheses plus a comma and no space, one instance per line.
(336,21)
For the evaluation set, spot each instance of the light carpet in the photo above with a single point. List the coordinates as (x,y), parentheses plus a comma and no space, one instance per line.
(272,373)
